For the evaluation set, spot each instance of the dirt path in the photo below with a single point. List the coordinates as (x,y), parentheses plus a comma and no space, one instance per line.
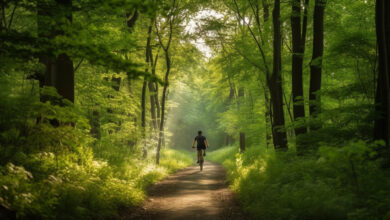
(190,194)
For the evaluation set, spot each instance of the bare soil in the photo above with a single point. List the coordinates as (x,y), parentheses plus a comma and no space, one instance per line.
(189,194)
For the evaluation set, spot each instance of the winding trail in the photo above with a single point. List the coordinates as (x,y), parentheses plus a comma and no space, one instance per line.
(190,194)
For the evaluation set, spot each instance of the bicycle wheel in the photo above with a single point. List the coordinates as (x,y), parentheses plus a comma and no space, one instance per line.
(201,160)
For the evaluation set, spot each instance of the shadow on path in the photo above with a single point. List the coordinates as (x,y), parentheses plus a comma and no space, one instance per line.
(189,194)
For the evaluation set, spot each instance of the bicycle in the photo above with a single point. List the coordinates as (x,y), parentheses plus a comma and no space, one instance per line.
(201,159)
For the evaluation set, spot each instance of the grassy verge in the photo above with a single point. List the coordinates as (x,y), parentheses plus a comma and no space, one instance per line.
(46,186)
(339,183)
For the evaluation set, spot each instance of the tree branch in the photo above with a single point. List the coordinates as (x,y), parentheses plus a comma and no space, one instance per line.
(255,38)
(12,16)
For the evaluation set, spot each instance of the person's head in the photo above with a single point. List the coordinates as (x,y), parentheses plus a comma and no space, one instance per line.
(199,132)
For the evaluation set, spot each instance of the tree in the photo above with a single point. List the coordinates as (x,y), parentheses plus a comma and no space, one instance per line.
(54,19)
(274,79)
(165,46)
(316,62)
(382,99)
(153,87)
(298,30)
(275,83)
(240,98)
(143,97)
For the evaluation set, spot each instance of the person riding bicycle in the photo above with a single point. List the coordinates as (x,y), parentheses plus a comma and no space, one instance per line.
(201,144)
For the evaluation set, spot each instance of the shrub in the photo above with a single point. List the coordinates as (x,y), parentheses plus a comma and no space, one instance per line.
(339,183)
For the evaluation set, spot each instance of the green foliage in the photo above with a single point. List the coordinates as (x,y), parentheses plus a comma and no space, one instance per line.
(60,171)
(93,189)
(83,160)
(343,182)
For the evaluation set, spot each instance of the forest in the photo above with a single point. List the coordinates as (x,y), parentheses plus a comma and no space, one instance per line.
(101,99)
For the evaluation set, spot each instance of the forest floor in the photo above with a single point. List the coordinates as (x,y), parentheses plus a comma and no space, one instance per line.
(189,194)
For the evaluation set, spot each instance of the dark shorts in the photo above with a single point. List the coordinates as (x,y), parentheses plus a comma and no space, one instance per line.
(201,148)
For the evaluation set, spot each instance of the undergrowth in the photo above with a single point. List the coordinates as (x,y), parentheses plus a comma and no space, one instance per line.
(59,171)
(339,183)
(93,189)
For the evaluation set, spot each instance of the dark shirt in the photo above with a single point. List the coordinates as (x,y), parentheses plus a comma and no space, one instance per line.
(200,140)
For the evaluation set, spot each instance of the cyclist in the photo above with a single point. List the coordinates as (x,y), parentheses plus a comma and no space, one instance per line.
(201,144)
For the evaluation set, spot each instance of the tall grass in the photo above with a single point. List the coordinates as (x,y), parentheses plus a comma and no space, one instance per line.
(340,183)
(62,171)
(92,190)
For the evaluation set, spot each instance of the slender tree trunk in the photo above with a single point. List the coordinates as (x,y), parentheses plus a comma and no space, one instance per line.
(158,108)
(166,79)
(298,46)
(143,118)
(152,105)
(143,96)
(316,62)
(382,99)
(155,87)
(241,92)
(276,90)
(242,142)
(1,17)
(228,138)
(131,19)
(298,50)
(267,116)
(152,92)
(160,138)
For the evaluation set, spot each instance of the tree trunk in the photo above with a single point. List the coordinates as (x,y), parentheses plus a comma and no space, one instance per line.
(242,142)
(267,116)
(166,80)
(157,103)
(132,19)
(143,119)
(59,71)
(150,63)
(160,136)
(152,105)
(44,22)
(276,90)
(64,77)
(229,139)
(241,92)
(298,50)
(154,87)
(382,98)
(316,62)
(143,96)
(1,17)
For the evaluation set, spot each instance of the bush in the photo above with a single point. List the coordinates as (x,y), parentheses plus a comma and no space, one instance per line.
(93,190)
(340,183)
(60,172)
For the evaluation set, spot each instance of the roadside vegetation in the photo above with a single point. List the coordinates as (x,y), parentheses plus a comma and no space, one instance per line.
(339,183)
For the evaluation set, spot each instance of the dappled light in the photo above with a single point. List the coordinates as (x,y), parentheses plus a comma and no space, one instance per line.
(194,109)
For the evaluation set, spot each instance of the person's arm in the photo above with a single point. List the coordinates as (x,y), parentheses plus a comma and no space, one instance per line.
(206,143)
(193,144)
